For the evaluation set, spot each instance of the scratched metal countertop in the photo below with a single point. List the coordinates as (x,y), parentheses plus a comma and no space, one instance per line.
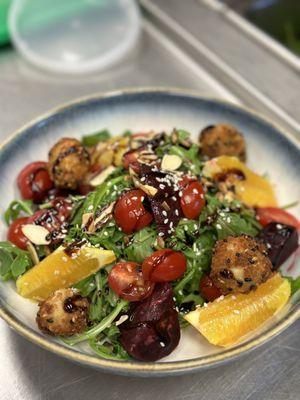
(28,372)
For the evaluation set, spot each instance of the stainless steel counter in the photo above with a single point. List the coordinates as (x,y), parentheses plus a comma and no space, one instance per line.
(30,373)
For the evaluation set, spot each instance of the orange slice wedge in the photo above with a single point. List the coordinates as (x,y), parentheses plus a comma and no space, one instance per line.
(58,271)
(225,322)
(254,190)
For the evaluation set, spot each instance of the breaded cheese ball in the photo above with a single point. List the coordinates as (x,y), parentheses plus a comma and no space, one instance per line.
(68,164)
(64,313)
(239,264)
(222,140)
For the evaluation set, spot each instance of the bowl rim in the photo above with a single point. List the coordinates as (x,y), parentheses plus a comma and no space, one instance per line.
(133,367)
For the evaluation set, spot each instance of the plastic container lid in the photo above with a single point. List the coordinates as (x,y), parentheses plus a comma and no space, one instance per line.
(74,36)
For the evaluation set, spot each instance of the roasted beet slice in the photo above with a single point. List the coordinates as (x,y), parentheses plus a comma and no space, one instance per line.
(281,241)
(153,307)
(166,202)
(152,330)
(152,341)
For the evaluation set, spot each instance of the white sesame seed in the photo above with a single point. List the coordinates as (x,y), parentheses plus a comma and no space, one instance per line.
(233,297)
(176,212)
(161,186)
(90,207)
(166,221)
(162,344)
(218,226)
(195,191)
(160,234)
(164,213)
(220,299)
(134,198)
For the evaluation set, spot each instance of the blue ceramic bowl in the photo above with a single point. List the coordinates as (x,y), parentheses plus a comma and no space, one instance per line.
(269,150)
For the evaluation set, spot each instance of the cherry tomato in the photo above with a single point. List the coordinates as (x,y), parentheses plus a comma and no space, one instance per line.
(126,280)
(164,266)
(34,181)
(265,215)
(63,207)
(15,234)
(130,158)
(192,200)
(208,289)
(185,180)
(130,213)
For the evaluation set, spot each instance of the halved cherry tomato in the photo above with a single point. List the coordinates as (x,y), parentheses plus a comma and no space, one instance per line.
(15,234)
(185,180)
(130,158)
(265,215)
(208,290)
(192,200)
(126,280)
(130,213)
(34,181)
(164,266)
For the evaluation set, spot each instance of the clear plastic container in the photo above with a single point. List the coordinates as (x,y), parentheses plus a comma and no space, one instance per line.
(74,36)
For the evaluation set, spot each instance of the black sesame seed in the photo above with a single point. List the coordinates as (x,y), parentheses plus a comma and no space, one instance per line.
(225,273)
(247,279)
(239,283)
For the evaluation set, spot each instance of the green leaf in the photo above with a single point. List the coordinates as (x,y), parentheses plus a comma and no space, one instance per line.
(233,224)
(15,208)
(5,264)
(93,139)
(19,265)
(14,261)
(295,284)
(141,245)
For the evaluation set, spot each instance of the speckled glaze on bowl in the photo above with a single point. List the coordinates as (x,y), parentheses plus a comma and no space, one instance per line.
(269,150)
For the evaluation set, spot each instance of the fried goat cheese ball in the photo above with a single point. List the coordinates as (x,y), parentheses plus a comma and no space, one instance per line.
(68,164)
(64,313)
(222,140)
(239,264)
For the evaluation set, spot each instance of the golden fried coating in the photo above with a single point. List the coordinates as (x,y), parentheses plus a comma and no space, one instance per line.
(64,313)
(68,164)
(222,140)
(239,264)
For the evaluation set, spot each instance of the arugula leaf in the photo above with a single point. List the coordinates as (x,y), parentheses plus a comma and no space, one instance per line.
(191,158)
(15,208)
(93,139)
(13,261)
(141,245)
(233,224)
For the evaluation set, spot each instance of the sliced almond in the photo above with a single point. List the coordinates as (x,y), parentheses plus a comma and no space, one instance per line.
(100,178)
(104,215)
(171,162)
(88,222)
(149,190)
(32,252)
(36,234)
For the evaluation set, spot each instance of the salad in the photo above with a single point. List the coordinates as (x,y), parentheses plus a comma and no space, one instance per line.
(126,240)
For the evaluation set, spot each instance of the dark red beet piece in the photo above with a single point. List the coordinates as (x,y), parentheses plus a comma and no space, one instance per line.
(165,204)
(152,330)
(281,241)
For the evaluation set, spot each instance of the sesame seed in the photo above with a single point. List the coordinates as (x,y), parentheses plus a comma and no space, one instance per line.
(176,212)
(220,299)
(160,234)
(164,213)
(90,207)
(162,344)
(195,191)
(134,198)
(180,194)
(218,226)
(166,221)
(161,186)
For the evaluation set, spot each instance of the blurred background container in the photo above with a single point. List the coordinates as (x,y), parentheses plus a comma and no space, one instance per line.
(72,36)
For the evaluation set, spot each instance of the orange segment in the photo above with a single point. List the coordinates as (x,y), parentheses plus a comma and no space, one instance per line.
(58,271)
(253,191)
(225,322)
